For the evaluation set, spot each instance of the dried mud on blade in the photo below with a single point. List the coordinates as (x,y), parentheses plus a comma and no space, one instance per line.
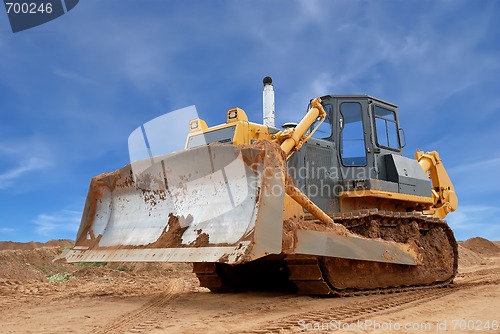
(206,204)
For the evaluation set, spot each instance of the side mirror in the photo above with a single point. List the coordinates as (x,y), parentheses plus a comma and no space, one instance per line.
(402,137)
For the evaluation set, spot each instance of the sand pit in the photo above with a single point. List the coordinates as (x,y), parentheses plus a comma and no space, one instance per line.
(166,298)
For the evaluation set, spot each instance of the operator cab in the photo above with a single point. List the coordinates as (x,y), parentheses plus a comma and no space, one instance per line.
(360,124)
(358,147)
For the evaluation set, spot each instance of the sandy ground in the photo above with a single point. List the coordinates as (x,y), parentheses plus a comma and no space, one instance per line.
(167,299)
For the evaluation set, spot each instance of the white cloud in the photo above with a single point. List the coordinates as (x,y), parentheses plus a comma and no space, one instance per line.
(491,165)
(8,178)
(476,178)
(73,76)
(475,220)
(137,51)
(56,224)
(6,230)
(311,7)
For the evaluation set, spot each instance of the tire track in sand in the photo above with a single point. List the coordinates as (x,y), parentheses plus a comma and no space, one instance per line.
(148,315)
(353,310)
(379,304)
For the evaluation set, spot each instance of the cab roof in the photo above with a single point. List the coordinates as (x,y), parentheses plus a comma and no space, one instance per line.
(359,96)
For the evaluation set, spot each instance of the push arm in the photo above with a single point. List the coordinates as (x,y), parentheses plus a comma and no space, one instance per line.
(443,192)
(292,139)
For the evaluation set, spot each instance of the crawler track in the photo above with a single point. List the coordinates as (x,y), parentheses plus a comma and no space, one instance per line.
(344,277)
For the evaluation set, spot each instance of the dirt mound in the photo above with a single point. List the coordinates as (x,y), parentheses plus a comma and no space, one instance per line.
(37,265)
(481,246)
(30,265)
(11,245)
(468,258)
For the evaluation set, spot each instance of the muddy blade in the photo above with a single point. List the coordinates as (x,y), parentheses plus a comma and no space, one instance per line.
(206,204)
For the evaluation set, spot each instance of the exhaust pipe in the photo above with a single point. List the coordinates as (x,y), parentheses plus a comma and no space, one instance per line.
(268,102)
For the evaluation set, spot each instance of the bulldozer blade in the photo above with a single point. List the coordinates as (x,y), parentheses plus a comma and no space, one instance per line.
(216,203)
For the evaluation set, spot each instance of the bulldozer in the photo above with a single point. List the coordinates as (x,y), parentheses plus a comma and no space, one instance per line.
(326,206)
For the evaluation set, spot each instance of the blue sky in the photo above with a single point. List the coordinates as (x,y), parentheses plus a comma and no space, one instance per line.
(72,90)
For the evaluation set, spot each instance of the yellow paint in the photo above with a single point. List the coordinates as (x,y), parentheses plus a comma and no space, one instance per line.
(292,210)
(387,195)
(443,193)
(235,115)
(293,138)
(245,132)
(197,125)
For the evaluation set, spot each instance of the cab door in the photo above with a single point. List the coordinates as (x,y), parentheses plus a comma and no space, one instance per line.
(353,130)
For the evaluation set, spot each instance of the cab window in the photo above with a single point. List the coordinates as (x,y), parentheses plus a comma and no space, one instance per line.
(386,128)
(352,139)
(325,129)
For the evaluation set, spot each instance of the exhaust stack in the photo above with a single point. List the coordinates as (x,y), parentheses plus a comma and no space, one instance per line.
(268,102)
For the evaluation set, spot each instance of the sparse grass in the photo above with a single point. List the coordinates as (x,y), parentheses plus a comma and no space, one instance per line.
(122,268)
(58,277)
(92,264)
(66,248)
